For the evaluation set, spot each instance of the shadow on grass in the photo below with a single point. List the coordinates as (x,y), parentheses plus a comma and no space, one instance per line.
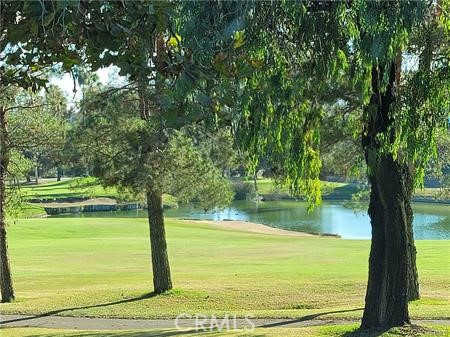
(342,192)
(407,331)
(306,318)
(48,184)
(60,311)
(154,333)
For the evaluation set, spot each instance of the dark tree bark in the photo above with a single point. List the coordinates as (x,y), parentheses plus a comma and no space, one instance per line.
(36,172)
(6,285)
(58,173)
(160,260)
(387,289)
(391,256)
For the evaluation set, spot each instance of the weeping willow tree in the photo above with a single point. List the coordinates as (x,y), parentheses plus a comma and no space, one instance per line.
(288,62)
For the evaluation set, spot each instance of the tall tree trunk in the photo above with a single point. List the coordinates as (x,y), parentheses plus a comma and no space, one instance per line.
(390,262)
(6,285)
(58,173)
(160,260)
(255,182)
(387,289)
(36,171)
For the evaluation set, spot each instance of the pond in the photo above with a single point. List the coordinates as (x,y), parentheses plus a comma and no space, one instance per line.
(431,221)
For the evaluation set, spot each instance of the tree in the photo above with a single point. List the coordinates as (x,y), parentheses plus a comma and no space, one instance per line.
(56,106)
(141,156)
(35,35)
(288,57)
(135,37)
(140,38)
(5,271)
(217,144)
(30,43)
(26,125)
(39,122)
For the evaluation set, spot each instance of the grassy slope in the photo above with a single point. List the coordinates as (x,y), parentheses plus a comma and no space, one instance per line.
(329,331)
(267,186)
(338,190)
(101,267)
(75,188)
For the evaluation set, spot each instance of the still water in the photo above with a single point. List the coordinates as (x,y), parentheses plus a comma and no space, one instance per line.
(431,221)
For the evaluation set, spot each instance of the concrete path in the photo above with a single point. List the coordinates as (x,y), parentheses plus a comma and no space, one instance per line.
(60,322)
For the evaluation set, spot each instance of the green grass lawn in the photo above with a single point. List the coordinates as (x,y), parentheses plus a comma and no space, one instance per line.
(328,331)
(70,188)
(100,267)
(268,186)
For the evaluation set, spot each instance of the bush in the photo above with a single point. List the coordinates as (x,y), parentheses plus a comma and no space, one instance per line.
(244,190)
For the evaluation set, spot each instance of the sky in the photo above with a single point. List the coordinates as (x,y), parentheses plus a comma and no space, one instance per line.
(65,82)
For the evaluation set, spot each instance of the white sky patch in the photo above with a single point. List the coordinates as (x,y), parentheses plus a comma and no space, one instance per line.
(65,82)
(410,62)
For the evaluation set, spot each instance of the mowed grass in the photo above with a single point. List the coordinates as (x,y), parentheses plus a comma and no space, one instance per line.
(71,188)
(268,186)
(101,267)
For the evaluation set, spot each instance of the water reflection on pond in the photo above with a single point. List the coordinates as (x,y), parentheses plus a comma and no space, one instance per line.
(431,221)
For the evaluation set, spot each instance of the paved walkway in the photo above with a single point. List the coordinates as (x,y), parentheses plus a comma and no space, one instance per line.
(60,322)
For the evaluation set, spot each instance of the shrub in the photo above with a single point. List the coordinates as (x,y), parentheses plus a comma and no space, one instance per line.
(244,190)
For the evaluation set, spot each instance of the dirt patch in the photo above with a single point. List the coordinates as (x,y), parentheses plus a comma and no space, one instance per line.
(244,226)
